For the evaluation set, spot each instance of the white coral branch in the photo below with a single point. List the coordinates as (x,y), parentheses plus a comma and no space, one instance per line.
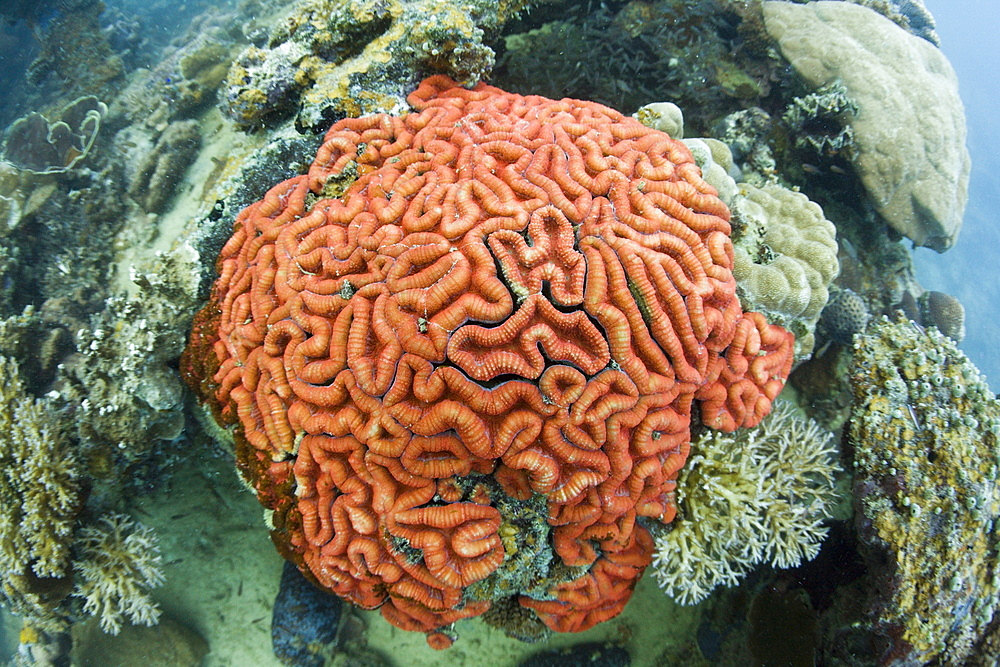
(118,563)
(756,496)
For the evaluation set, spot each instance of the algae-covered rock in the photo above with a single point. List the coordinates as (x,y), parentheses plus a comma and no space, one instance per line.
(785,258)
(909,132)
(337,58)
(924,428)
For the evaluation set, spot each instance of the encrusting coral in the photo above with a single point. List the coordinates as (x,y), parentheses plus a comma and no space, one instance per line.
(925,430)
(332,58)
(756,496)
(515,302)
(117,563)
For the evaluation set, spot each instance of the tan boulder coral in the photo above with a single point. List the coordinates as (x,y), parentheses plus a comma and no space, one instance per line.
(910,126)
(785,258)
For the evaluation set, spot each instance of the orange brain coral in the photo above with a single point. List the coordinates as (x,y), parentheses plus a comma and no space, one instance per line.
(470,377)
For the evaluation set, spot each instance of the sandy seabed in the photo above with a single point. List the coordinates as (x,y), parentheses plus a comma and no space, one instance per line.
(223,572)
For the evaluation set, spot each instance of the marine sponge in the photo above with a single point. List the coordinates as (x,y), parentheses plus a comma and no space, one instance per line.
(117,564)
(745,498)
(785,258)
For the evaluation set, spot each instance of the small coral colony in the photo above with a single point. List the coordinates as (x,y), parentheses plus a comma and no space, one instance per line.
(483,346)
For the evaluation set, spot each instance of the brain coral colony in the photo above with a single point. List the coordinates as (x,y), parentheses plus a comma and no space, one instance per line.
(468,379)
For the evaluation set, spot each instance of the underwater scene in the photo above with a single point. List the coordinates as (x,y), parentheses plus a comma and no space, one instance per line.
(519,333)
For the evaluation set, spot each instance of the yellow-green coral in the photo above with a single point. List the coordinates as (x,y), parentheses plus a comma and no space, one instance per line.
(785,258)
(745,498)
(39,500)
(334,58)
(39,492)
(925,429)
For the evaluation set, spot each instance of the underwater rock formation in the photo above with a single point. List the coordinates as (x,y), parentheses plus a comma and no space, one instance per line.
(907,97)
(401,403)
(162,167)
(926,435)
(304,621)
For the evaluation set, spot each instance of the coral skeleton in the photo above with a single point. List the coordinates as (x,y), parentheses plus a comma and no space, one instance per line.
(755,496)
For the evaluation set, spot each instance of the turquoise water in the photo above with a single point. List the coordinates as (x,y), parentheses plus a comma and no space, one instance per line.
(969,32)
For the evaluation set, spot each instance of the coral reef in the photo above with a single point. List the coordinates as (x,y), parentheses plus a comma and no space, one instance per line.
(924,428)
(40,497)
(75,52)
(716,163)
(117,563)
(641,53)
(22,194)
(907,96)
(124,397)
(910,15)
(36,144)
(746,133)
(756,496)
(663,116)
(335,58)
(785,258)
(479,319)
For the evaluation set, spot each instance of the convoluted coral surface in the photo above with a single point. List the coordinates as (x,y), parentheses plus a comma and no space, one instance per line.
(462,354)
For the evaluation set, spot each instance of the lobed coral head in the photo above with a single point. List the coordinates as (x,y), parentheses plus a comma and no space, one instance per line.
(466,376)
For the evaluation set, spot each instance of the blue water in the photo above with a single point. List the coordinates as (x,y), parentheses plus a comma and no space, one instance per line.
(970,37)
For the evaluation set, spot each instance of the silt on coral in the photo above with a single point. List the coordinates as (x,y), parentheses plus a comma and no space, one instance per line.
(516,299)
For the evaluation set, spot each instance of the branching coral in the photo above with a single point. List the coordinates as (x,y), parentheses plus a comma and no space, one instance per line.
(39,500)
(757,496)
(39,494)
(117,563)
